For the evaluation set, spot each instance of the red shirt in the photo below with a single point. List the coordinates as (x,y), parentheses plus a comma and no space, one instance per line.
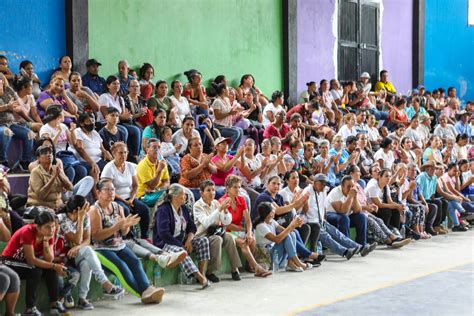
(24,236)
(238,212)
(299,108)
(271,131)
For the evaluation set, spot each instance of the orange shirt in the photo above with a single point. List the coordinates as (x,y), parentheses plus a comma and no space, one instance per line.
(189,163)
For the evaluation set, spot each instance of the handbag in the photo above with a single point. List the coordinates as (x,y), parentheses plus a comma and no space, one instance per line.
(68,158)
(216,230)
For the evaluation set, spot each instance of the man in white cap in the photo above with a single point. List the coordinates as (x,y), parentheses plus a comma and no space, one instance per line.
(364,84)
(329,235)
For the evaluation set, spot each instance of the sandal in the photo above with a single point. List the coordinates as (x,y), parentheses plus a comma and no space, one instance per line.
(263,274)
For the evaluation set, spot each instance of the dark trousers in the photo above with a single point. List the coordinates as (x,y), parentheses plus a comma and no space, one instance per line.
(313,237)
(33,278)
(390,217)
(436,214)
(344,222)
(143,211)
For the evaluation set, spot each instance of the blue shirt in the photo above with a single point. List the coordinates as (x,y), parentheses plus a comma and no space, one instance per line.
(462,128)
(410,111)
(95,83)
(124,85)
(427,185)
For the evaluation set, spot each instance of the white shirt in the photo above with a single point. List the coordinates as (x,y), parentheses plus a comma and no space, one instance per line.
(122,181)
(178,138)
(346,132)
(272,108)
(206,215)
(107,100)
(335,195)
(316,205)
(262,230)
(223,105)
(90,143)
(253,165)
(388,159)
(373,134)
(182,105)
(272,172)
(372,190)
(414,136)
(51,132)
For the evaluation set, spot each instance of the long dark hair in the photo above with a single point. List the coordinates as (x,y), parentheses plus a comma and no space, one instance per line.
(75,202)
(263,209)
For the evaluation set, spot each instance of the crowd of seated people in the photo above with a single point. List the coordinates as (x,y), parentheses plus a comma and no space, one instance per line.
(121,169)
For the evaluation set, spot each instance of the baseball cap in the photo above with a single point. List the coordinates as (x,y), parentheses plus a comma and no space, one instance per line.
(92,61)
(365,75)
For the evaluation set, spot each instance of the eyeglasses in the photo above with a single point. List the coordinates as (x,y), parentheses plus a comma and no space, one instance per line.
(108,189)
(134,86)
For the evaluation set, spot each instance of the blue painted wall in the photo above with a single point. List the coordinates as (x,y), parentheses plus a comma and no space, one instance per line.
(33,30)
(449,44)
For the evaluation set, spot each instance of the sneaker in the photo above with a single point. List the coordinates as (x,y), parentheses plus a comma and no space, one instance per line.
(58,308)
(459,228)
(400,243)
(368,249)
(152,295)
(33,312)
(236,276)
(115,293)
(84,304)
(176,258)
(350,253)
(69,301)
(213,278)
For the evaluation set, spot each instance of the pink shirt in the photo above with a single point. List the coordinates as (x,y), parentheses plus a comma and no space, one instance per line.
(220,176)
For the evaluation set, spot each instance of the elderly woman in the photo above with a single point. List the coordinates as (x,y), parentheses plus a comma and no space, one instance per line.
(112,98)
(195,167)
(445,130)
(211,219)
(184,135)
(108,225)
(48,181)
(136,105)
(223,113)
(329,163)
(241,226)
(384,156)
(375,225)
(75,232)
(89,148)
(9,129)
(83,97)
(276,165)
(124,177)
(56,94)
(174,230)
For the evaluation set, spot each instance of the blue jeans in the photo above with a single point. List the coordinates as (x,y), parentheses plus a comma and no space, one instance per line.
(143,211)
(454,206)
(468,207)
(76,173)
(300,246)
(234,133)
(285,249)
(379,115)
(101,164)
(130,267)
(333,239)
(19,132)
(133,141)
(83,187)
(343,222)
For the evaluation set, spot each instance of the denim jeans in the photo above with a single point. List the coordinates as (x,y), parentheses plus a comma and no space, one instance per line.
(133,140)
(234,133)
(19,132)
(83,187)
(285,249)
(88,265)
(76,173)
(300,246)
(143,211)
(130,267)
(343,222)
(379,115)
(333,239)
(454,206)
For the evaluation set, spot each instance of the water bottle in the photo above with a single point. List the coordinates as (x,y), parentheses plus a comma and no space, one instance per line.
(275,261)
(156,275)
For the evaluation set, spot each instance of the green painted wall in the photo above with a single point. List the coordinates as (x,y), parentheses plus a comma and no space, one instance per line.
(230,37)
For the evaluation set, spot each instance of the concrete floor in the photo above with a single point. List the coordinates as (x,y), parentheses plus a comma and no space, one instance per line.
(372,283)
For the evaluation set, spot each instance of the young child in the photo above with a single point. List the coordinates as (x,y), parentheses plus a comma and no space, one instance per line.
(170,151)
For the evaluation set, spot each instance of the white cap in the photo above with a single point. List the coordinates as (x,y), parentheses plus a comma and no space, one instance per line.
(365,75)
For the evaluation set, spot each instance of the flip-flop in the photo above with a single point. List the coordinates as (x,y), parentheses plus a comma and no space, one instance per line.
(263,274)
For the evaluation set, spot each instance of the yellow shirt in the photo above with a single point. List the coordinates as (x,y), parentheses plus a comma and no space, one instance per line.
(385,86)
(146,171)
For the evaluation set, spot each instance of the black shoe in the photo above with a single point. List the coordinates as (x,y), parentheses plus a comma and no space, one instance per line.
(350,253)
(459,228)
(212,277)
(236,276)
(316,262)
(368,249)
(412,234)
(430,231)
